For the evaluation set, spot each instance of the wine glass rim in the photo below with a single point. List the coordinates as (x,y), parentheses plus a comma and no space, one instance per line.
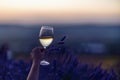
(46,27)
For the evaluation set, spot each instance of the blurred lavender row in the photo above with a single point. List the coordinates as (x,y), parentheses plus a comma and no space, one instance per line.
(68,69)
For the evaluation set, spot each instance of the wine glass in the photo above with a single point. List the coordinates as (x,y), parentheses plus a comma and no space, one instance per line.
(46,38)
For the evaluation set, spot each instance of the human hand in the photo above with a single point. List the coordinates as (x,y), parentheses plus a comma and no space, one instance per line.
(37,54)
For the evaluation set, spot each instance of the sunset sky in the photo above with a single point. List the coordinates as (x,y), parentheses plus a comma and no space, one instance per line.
(59,11)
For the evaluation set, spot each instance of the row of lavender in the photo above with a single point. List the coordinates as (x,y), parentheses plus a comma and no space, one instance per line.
(70,69)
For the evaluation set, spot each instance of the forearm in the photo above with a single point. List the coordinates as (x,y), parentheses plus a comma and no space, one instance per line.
(34,71)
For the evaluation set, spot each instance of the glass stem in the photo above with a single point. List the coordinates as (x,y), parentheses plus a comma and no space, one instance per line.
(44,54)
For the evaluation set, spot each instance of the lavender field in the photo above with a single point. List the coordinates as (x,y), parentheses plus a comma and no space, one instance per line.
(78,52)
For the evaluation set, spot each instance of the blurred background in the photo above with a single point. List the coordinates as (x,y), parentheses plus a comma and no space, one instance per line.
(92,27)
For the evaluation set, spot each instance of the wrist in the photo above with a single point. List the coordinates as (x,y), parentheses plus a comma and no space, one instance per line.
(36,62)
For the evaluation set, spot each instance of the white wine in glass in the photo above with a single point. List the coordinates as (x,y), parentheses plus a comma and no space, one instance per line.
(46,38)
(46,41)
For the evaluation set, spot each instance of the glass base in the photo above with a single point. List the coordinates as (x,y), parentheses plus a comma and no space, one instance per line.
(44,63)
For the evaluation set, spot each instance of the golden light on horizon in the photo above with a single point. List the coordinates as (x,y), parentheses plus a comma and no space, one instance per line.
(52,10)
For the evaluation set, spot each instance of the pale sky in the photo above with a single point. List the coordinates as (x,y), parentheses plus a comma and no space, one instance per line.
(59,11)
